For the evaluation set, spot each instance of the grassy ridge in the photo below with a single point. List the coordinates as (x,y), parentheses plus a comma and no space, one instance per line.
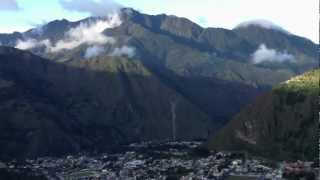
(306,83)
(281,124)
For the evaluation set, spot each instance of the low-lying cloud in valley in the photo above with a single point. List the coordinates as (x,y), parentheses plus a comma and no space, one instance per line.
(94,51)
(263,53)
(32,43)
(124,51)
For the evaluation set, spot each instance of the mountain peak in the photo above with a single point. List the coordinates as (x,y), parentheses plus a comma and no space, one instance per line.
(58,22)
(262,23)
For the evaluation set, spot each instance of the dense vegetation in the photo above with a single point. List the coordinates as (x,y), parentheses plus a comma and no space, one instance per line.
(52,108)
(281,124)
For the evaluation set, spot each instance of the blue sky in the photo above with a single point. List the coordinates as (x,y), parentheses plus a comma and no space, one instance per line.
(297,16)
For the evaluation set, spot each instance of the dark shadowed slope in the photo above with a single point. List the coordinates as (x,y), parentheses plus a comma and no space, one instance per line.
(49,109)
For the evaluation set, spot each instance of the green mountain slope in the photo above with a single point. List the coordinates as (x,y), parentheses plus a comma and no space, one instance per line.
(51,108)
(281,124)
(304,50)
(200,77)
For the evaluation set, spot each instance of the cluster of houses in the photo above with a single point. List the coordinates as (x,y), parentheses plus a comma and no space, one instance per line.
(167,160)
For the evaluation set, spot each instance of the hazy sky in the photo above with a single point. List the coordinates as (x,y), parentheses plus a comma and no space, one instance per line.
(296,16)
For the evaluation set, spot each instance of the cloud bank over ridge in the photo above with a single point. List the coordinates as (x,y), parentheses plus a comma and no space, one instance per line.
(262,23)
(124,51)
(94,51)
(88,33)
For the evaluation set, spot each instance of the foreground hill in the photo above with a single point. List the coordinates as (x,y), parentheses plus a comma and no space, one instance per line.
(281,124)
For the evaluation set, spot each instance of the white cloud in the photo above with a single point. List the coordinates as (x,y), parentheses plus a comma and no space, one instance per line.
(32,43)
(263,53)
(94,51)
(124,51)
(9,5)
(94,7)
(262,23)
(88,33)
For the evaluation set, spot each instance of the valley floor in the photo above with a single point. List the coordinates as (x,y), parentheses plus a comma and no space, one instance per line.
(154,160)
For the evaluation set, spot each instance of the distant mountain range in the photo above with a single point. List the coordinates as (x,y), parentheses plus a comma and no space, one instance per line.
(282,124)
(99,82)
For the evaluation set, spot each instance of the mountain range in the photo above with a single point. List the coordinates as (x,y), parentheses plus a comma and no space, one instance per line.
(103,81)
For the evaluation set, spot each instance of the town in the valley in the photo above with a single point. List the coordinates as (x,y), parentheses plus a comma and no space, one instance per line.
(155,160)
